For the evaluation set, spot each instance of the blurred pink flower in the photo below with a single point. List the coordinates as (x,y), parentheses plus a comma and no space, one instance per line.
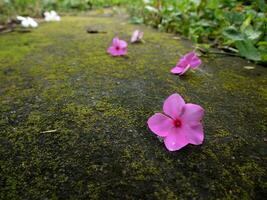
(180,124)
(190,60)
(118,47)
(137,36)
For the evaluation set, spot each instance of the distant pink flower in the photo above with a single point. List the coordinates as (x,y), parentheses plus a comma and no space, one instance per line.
(137,36)
(118,47)
(180,125)
(190,60)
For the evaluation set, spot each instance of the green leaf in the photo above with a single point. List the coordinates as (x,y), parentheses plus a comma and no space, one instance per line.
(137,20)
(262,43)
(246,23)
(213,4)
(252,34)
(235,17)
(262,5)
(248,50)
(232,34)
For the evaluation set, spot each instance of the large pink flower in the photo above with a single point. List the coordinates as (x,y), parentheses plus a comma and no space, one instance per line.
(190,60)
(180,124)
(118,47)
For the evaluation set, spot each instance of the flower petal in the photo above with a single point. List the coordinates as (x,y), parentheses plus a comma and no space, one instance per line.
(181,67)
(192,113)
(111,50)
(189,56)
(195,62)
(122,52)
(160,124)
(195,134)
(177,70)
(25,23)
(185,69)
(116,41)
(122,44)
(134,36)
(175,141)
(173,106)
(20,18)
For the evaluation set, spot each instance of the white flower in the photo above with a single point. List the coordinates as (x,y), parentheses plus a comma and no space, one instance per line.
(27,22)
(51,16)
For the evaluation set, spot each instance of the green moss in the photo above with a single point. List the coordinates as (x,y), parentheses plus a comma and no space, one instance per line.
(60,78)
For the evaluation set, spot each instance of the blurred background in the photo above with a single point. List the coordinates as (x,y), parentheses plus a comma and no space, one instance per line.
(232,25)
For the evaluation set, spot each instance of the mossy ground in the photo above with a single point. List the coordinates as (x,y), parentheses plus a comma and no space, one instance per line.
(60,78)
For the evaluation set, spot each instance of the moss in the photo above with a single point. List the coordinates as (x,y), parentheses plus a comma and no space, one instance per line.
(60,78)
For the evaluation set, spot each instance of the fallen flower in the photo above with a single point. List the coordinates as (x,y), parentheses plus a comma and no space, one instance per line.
(137,36)
(27,22)
(180,124)
(190,60)
(118,47)
(51,16)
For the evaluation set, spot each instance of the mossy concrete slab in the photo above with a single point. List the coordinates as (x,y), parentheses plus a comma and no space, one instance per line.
(73,118)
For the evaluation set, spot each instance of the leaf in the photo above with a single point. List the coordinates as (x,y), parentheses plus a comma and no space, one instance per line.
(232,34)
(206,23)
(151,9)
(262,5)
(246,23)
(137,20)
(251,34)
(248,50)
(235,17)
(262,43)
(213,4)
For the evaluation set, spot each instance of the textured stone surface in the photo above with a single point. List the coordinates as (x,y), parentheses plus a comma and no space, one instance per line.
(73,119)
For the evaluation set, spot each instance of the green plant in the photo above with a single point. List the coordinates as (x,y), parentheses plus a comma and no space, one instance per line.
(232,23)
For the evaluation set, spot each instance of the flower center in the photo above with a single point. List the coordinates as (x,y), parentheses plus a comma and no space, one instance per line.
(177,123)
(117,48)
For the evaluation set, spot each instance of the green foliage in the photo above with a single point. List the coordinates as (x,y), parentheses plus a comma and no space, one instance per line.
(11,8)
(237,24)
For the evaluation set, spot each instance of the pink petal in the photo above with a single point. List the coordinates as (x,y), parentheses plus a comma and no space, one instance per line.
(185,69)
(192,113)
(181,67)
(183,62)
(177,70)
(173,106)
(122,52)
(122,44)
(189,56)
(116,41)
(135,36)
(192,59)
(195,62)
(175,141)
(195,134)
(160,124)
(112,50)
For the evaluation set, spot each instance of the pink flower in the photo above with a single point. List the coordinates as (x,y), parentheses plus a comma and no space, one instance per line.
(180,125)
(118,47)
(137,36)
(189,60)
